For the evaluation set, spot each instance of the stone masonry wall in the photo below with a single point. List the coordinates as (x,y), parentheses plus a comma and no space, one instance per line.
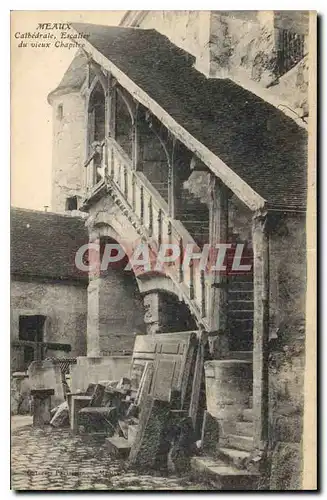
(286,358)
(121,311)
(65,306)
(240,45)
(187,29)
(69,148)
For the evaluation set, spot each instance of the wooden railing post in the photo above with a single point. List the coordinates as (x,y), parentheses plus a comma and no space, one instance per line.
(170,234)
(159,226)
(150,217)
(260,243)
(142,205)
(125,183)
(112,161)
(218,230)
(192,280)
(203,294)
(133,190)
(181,256)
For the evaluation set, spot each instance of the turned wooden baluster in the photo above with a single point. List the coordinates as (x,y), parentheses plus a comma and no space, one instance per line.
(181,255)
(125,183)
(150,217)
(112,155)
(203,294)
(159,219)
(133,191)
(191,279)
(142,205)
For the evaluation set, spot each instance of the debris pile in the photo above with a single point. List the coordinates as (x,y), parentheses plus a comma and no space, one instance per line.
(153,416)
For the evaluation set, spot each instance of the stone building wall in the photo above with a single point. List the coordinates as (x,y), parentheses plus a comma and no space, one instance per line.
(69,148)
(121,312)
(287,356)
(64,305)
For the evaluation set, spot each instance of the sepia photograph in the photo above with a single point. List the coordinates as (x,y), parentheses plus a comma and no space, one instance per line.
(163,241)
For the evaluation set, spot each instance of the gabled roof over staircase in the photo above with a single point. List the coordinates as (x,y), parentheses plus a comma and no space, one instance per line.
(256,146)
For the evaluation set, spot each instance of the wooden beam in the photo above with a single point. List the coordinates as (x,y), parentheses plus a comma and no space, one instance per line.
(111,107)
(260,241)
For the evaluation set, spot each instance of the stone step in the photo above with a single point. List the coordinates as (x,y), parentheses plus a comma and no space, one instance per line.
(248,415)
(118,447)
(240,295)
(132,430)
(225,476)
(233,456)
(244,429)
(244,443)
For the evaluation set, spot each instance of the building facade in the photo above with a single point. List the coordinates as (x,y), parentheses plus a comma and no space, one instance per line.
(48,293)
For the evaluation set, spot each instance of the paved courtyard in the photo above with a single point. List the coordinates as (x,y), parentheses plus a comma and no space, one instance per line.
(54,459)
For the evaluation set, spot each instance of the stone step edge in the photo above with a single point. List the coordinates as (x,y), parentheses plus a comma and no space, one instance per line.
(233,456)
(240,442)
(217,469)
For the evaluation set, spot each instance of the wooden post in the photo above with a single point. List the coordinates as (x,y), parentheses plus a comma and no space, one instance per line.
(125,183)
(218,233)
(203,295)
(260,243)
(191,280)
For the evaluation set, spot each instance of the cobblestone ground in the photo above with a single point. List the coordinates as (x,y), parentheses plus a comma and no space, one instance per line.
(54,459)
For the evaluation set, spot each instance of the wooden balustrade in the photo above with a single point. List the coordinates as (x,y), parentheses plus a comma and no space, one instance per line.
(153,214)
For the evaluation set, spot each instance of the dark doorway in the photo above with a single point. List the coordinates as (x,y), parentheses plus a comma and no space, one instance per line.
(31,330)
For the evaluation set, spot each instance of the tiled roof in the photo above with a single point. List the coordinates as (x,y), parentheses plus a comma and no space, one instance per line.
(261,144)
(44,244)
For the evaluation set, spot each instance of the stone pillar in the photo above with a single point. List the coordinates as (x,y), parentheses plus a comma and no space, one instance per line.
(93,320)
(218,220)
(93,300)
(152,315)
(260,328)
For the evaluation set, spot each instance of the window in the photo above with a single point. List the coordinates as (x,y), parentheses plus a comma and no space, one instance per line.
(30,333)
(71,203)
(60,112)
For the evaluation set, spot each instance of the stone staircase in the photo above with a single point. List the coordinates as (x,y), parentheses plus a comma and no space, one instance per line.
(195,217)
(240,300)
(227,466)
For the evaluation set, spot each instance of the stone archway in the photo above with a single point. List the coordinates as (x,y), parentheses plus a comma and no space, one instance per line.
(165,313)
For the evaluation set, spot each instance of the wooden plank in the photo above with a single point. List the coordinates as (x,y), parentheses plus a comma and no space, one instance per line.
(197,379)
(145,384)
